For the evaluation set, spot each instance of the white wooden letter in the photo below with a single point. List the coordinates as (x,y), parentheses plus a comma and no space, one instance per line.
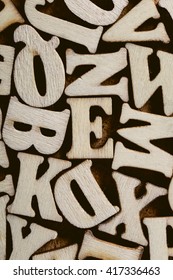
(124,29)
(6,66)
(168,5)
(6,186)
(130,208)
(82,127)
(3,203)
(0,122)
(62,28)
(106,65)
(9,15)
(70,206)
(28,186)
(143,87)
(158,237)
(159,127)
(67,253)
(36,119)
(170,194)
(94,247)
(23,248)
(24,76)
(88,11)
(4,162)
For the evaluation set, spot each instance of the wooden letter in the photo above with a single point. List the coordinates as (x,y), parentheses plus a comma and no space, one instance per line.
(4,162)
(106,65)
(82,127)
(70,206)
(158,127)
(94,247)
(143,87)
(23,248)
(24,76)
(0,122)
(158,237)
(93,14)
(6,66)
(67,253)
(28,186)
(3,203)
(125,28)
(6,186)
(170,194)
(130,208)
(9,15)
(62,28)
(35,120)
(168,5)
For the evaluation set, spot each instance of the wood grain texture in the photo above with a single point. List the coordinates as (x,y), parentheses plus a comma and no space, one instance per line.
(155,127)
(9,15)
(36,120)
(62,28)
(23,248)
(125,29)
(88,11)
(29,186)
(159,225)
(52,63)
(50,17)
(4,161)
(106,65)
(67,253)
(143,87)
(170,194)
(6,186)
(3,224)
(72,209)
(6,66)
(129,214)
(82,127)
(94,247)
(168,5)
